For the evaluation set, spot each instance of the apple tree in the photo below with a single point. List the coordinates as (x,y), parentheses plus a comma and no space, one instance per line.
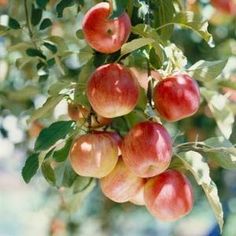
(137,78)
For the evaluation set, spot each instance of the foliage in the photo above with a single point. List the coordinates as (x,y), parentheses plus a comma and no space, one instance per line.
(58,65)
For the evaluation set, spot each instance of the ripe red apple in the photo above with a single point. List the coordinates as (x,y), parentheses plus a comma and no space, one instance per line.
(115,136)
(147,149)
(121,184)
(168,196)
(176,97)
(94,155)
(102,33)
(226,6)
(80,113)
(112,91)
(138,199)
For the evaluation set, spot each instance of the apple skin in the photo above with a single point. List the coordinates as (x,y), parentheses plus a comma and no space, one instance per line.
(147,149)
(168,196)
(115,136)
(80,114)
(112,91)
(94,155)
(176,97)
(103,34)
(226,6)
(138,199)
(121,184)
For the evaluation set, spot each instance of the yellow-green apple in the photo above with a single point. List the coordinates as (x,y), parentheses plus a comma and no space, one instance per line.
(176,97)
(94,155)
(228,6)
(147,149)
(102,33)
(168,196)
(79,113)
(121,184)
(112,91)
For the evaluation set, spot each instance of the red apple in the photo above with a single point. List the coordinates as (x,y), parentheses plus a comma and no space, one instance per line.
(3,3)
(138,199)
(168,196)
(147,149)
(121,184)
(115,136)
(176,97)
(80,113)
(94,155)
(102,33)
(226,6)
(112,91)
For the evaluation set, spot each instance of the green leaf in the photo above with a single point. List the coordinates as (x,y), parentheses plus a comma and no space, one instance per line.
(32,52)
(135,44)
(47,107)
(23,94)
(48,172)
(42,3)
(227,83)
(62,5)
(36,15)
(3,30)
(118,7)
(219,106)
(65,175)
(62,154)
(196,164)
(80,92)
(49,136)
(206,71)
(81,184)
(45,24)
(13,23)
(164,12)
(80,34)
(194,22)
(134,118)
(57,87)
(50,47)
(222,152)
(31,166)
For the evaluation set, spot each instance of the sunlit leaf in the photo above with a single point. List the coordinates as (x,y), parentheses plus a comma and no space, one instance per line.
(196,164)
(220,110)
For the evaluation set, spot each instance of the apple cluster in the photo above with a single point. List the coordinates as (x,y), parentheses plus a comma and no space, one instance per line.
(133,168)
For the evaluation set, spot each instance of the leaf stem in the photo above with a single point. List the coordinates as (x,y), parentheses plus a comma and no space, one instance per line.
(29,26)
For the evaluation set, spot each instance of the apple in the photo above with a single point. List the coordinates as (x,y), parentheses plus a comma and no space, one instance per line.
(226,6)
(79,113)
(94,155)
(138,198)
(112,91)
(147,149)
(3,3)
(168,196)
(115,136)
(102,33)
(176,97)
(121,184)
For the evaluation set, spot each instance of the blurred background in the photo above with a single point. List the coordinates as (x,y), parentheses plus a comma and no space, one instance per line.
(37,209)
